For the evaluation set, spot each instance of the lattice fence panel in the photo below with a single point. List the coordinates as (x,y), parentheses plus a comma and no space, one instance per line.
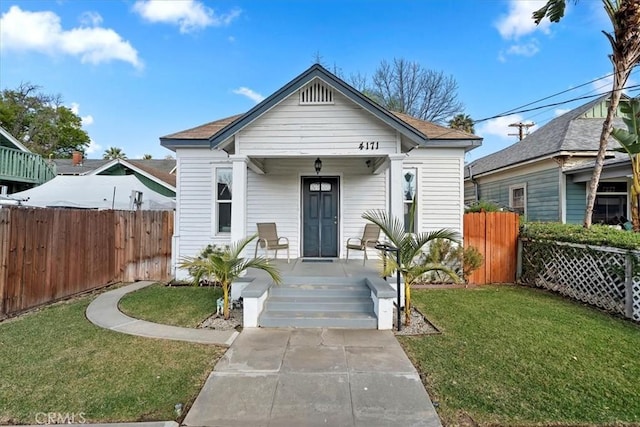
(636,299)
(595,276)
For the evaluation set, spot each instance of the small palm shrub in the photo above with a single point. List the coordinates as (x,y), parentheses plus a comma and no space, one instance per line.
(411,247)
(224,265)
(462,260)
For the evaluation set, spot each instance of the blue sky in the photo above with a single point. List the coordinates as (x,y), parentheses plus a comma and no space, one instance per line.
(137,69)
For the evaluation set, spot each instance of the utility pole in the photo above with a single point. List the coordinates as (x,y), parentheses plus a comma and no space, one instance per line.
(523,129)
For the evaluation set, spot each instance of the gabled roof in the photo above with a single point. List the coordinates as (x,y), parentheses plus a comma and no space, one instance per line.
(418,132)
(8,140)
(156,167)
(66,166)
(204,131)
(163,178)
(571,132)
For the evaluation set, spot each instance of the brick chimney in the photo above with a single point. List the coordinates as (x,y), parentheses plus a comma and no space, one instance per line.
(77,158)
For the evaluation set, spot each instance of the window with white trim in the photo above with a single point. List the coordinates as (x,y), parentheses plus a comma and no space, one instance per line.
(409,184)
(611,203)
(223,200)
(518,198)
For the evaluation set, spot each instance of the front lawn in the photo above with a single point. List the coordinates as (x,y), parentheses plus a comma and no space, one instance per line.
(55,360)
(519,356)
(185,306)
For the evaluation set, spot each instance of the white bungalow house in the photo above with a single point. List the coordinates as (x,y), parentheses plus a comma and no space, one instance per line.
(312,157)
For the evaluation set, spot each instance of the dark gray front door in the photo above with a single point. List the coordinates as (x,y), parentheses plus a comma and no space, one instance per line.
(320,217)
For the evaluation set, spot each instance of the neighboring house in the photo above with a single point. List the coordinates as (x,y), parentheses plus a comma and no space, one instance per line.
(313,157)
(157,174)
(21,169)
(95,192)
(545,176)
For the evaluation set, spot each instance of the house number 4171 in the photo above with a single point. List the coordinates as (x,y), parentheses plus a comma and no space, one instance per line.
(369,145)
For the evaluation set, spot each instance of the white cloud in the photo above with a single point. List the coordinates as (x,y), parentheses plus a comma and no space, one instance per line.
(189,15)
(91,19)
(519,22)
(500,128)
(526,49)
(93,147)
(560,111)
(252,95)
(42,32)
(86,120)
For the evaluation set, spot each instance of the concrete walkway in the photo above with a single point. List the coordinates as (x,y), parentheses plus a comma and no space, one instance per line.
(313,377)
(104,312)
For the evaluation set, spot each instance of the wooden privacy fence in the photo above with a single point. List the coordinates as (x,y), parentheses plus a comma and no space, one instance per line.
(495,235)
(49,254)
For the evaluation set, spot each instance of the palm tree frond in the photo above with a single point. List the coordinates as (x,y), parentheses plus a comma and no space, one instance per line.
(393,228)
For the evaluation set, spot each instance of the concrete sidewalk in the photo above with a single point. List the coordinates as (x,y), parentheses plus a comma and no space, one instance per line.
(104,312)
(313,377)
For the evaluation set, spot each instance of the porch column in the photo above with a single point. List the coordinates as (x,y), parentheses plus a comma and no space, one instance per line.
(239,198)
(396,206)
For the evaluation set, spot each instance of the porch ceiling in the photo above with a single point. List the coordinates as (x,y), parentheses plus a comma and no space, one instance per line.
(375,163)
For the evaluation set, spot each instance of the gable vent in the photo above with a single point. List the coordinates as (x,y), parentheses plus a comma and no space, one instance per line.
(316,92)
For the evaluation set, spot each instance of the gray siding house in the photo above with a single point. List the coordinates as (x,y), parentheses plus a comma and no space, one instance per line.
(545,176)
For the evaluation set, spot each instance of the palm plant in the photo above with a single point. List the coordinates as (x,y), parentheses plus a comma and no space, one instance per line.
(625,54)
(462,122)
(410,246)
(114,153)
(629,140)
(226,265)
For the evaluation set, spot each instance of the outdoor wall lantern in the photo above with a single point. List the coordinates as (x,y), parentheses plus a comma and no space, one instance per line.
(317,165)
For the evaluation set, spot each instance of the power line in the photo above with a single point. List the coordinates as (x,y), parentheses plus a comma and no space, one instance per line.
(565,91)
(555,104)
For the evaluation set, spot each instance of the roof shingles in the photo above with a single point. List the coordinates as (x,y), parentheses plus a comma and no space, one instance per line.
(571,132)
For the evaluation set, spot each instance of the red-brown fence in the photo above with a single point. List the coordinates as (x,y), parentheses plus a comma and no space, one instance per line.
(49,254)
(495,235)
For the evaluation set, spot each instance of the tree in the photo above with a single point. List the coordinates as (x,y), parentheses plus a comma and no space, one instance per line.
(411,247)
(625,44)
(224,265)
(147,157)
(407,87)
(629,140)
(114,153)
(462,122)
(41,122)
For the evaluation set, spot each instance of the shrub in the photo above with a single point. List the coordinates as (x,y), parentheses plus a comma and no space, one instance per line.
(597,235)
(483,206)
(463,261)
(205,253)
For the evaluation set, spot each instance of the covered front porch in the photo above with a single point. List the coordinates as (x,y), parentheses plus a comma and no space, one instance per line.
(319,293)
(316,202)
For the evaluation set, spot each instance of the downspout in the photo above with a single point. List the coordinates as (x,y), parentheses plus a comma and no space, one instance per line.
(476,188)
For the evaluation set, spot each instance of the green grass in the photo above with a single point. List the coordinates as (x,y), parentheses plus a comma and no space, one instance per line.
(520,356)
(172,305)
(55,360)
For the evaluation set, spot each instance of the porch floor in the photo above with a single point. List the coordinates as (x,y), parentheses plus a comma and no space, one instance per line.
(336,268)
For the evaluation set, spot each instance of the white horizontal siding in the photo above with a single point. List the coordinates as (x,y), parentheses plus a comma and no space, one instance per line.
(440,188)
(276,197)
(336,129)
(194,220)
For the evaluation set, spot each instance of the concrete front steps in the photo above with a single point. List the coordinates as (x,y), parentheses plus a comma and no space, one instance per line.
(304,304)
